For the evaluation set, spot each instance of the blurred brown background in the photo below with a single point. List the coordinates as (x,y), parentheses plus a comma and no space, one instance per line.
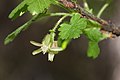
(17,62)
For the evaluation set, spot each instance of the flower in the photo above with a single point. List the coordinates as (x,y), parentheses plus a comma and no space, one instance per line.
(43,47)
(47,46)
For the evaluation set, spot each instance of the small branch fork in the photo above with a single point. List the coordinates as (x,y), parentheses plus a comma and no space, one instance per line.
(107,26)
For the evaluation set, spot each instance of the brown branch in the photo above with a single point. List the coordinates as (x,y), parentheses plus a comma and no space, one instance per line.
(106,25)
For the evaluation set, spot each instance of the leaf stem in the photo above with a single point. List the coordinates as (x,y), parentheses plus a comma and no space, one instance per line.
(55,14)
(59,21)
(59,14)
(102,10)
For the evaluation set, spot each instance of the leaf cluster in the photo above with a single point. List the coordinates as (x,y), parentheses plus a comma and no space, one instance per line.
(78,26)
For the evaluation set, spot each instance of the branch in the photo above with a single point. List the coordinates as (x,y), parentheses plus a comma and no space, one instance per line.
(107,26)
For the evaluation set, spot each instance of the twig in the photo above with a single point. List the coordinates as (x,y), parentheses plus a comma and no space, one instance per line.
(106,25)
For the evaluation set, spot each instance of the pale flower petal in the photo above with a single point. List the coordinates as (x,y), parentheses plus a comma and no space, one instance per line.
(35,43)
(56,49)
(51,57)
(44,49)
(37,51)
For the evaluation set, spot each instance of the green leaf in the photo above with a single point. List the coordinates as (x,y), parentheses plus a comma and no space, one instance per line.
(68,31)
(38,6)
(75,18)
(14,34)
(91,24)
(93,49)
(19,10)
(76,21)
(94,34)
(74,28)
(33,6)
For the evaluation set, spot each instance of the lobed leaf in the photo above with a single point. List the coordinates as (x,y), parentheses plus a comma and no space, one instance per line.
(94,34)
(68,31)
(74,28)
(38,6)
(93,49)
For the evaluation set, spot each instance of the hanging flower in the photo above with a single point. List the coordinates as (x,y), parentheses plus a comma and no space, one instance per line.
(47,47)
(43,47)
